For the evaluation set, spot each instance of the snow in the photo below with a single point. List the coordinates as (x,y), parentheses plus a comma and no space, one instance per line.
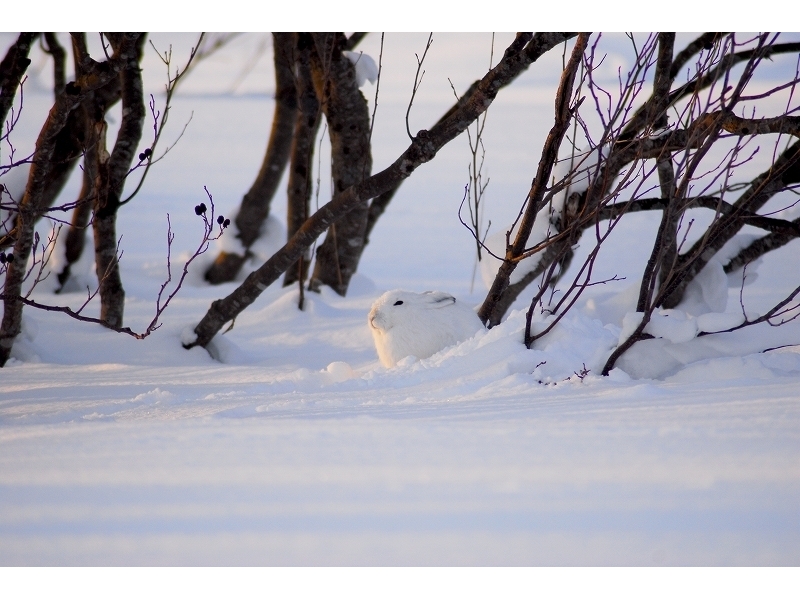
(495,245)
(366,69)
(294,445)
(584,164)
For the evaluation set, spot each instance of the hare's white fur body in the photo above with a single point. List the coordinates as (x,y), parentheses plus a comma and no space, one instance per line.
(404,323)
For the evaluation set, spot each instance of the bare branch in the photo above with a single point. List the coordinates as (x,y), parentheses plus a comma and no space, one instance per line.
(417,82)
(12,69)
(534,201)
(162,303)
(525,50)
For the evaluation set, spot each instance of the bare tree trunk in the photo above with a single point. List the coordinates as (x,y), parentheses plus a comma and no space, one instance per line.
(63,160)
(12,68)
(376,209)
(76,235)
(92,110)
(111,173)
(664,251)
(301,164)
(255,205)
(348,126)
(665,248)
(112,294)
(71,140)
(95,76)
(560,251)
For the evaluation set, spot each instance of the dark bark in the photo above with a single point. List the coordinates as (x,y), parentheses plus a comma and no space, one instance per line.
(67,142)
(112,171)
(666,172)
(665,248)
(525,49)
(784,172)
(71,140)
(637,335)
(301,161)
(76,234)
(588,207)
(711,202)
(627,149)
(688,265)
(347,113)
(535,200)
(376,209)
(761,247)
(56,50)
(255,205)
(112,293)
(561,250)
(354,40)
(95,75)
(759,126)
(91,111)
(12,69)
(705,41)
(640,119)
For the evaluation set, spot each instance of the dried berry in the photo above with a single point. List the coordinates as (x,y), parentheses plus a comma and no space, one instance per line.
(220,219)
(10,258)
(142,157)
(147,152)
(227,223)
(201,209)
(2,257)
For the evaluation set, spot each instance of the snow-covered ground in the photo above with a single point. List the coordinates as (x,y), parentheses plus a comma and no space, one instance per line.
(295,446)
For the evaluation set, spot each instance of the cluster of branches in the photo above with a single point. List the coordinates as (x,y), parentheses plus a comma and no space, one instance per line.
(370,194)
(75,129)
(673,137)
(666,137)
(687,143)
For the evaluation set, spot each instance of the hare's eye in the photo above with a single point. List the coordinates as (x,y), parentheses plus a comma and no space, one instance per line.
(398,303)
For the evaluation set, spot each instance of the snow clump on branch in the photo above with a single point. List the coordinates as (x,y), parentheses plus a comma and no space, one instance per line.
(366,69)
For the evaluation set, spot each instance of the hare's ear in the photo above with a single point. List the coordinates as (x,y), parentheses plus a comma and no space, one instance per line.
(439,299)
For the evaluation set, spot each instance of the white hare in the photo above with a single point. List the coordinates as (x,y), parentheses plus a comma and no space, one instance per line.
(420,324)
